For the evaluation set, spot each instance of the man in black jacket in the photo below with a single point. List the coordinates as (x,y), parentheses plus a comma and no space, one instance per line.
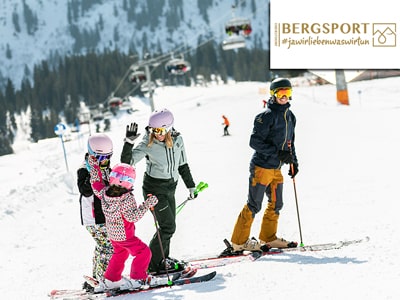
(273,142)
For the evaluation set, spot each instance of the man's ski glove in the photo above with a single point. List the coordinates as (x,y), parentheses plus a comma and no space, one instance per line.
(295,170)
(192,193)
(131,133)
(285,156)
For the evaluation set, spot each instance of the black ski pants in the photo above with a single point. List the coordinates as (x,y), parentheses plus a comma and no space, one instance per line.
(165,211)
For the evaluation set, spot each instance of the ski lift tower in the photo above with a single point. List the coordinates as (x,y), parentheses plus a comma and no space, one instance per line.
(148,76)
(342,95)
(146,63)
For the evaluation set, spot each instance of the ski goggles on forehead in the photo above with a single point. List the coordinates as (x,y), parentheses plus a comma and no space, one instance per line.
(122,177)
(160,130)
(279,93)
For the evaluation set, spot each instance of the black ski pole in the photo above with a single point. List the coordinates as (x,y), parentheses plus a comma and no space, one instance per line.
(295,195)
(159,241)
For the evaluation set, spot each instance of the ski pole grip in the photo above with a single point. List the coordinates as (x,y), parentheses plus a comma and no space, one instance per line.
(200,187)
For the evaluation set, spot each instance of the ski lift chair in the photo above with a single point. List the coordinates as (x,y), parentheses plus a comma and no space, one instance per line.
(177,67)
(137,77)
(233,42)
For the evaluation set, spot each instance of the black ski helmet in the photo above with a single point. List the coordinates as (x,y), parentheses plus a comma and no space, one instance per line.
(278,83)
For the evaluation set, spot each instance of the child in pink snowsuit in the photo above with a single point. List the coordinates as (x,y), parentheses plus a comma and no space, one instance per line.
(121,213)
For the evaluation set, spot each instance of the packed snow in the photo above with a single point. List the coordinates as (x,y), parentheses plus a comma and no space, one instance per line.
(347,188)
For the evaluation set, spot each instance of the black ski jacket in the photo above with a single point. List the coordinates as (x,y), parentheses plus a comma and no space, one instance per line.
(273,131)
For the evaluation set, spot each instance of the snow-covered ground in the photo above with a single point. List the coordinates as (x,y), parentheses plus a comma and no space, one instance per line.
(347,188)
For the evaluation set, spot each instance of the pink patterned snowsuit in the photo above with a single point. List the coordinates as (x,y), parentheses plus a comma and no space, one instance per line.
(121,214)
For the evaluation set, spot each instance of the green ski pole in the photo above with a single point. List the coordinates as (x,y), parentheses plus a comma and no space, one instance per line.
(199,188)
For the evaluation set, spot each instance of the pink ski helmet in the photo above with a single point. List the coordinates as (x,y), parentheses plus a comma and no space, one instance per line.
(123,175)
(161,119)
(100,144)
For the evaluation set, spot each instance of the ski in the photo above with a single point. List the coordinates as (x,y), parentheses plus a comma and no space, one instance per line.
(321,247)
(181,281)
(84,295)
(87,294)
(212,262)
(70,294)
(188,272)
(228,257)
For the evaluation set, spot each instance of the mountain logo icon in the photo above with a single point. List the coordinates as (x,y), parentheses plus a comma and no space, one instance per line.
(384,35)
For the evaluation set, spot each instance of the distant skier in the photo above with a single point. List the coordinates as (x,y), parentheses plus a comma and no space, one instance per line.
(264,103)
(226,125)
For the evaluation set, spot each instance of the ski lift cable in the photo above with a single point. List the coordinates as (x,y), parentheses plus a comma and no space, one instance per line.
(212,25)
(120,83)
(165,57)
(213,37)
(131,91)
